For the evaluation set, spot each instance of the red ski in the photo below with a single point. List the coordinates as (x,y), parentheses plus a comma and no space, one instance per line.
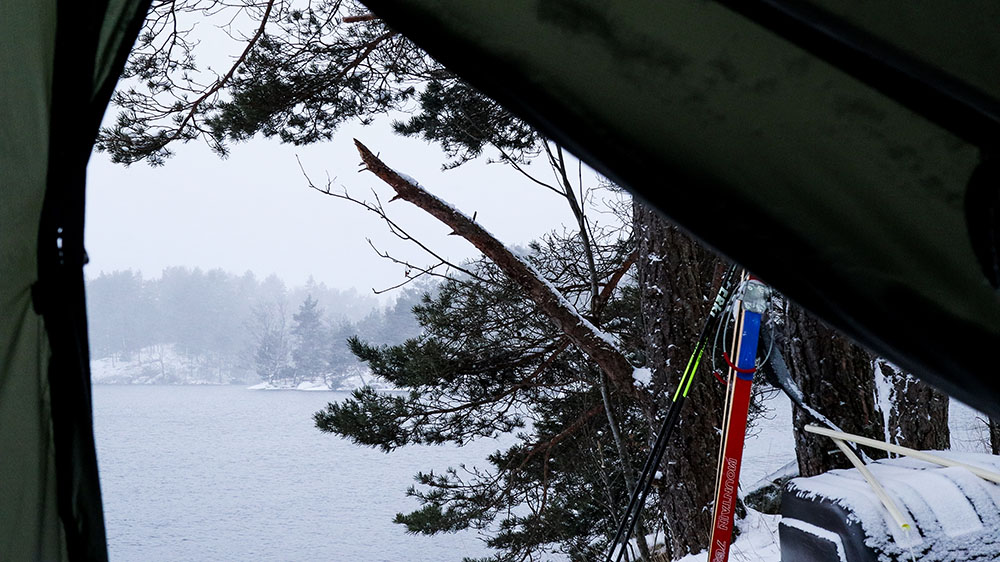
(754,304)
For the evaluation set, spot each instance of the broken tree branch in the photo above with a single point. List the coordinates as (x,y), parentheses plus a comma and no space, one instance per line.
(361,18)
(595,343)
(394,228)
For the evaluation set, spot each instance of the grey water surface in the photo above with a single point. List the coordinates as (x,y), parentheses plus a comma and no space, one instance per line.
(216,473)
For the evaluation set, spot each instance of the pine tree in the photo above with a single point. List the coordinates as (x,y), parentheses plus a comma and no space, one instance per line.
(489,362)
(310,342)
(339,356)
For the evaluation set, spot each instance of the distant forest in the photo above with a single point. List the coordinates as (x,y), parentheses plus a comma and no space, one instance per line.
(214,326)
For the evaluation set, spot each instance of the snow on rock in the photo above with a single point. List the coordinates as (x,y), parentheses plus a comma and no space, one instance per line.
(362,376)
(312,385)
(789,470)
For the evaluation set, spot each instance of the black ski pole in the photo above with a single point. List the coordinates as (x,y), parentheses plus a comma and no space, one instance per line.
(638,496)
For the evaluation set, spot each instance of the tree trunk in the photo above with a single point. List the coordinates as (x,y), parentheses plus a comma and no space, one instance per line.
(918,413)
(995,436)
(674,275)
(837,379)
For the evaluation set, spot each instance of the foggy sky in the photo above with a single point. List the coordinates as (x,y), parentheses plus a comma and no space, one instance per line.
(254,211)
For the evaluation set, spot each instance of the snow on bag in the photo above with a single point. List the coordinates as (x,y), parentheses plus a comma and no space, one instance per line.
(836,517)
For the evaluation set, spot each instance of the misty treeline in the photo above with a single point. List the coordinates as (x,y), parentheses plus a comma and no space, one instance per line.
(217,322)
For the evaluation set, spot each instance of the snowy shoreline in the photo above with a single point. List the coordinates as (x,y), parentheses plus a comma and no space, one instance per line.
(164,365)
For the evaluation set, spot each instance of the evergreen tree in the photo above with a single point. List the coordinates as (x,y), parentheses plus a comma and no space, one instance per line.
(120,319)
(303,72)
(309,352)
(340,357)
(225,326)
(274,95)
(489,362)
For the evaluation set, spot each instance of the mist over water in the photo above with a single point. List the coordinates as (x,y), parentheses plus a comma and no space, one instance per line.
(224,473)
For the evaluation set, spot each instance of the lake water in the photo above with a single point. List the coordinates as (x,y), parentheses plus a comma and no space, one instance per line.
(203,473)
(224,473)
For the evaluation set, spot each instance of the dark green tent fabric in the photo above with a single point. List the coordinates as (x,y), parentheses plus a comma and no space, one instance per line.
(957,36)
(29,525)
(58,63)
(836,174)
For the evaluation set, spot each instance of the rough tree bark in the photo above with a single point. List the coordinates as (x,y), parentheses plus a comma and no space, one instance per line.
(995,436)
(837,379)
(918,412)
(674,274)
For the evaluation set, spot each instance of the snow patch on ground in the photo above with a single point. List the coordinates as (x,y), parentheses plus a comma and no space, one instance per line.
(969,429)
(304,385)
(642,376)
(164,364)
(758,540)
(312,385)
(346,382)
(770,445)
